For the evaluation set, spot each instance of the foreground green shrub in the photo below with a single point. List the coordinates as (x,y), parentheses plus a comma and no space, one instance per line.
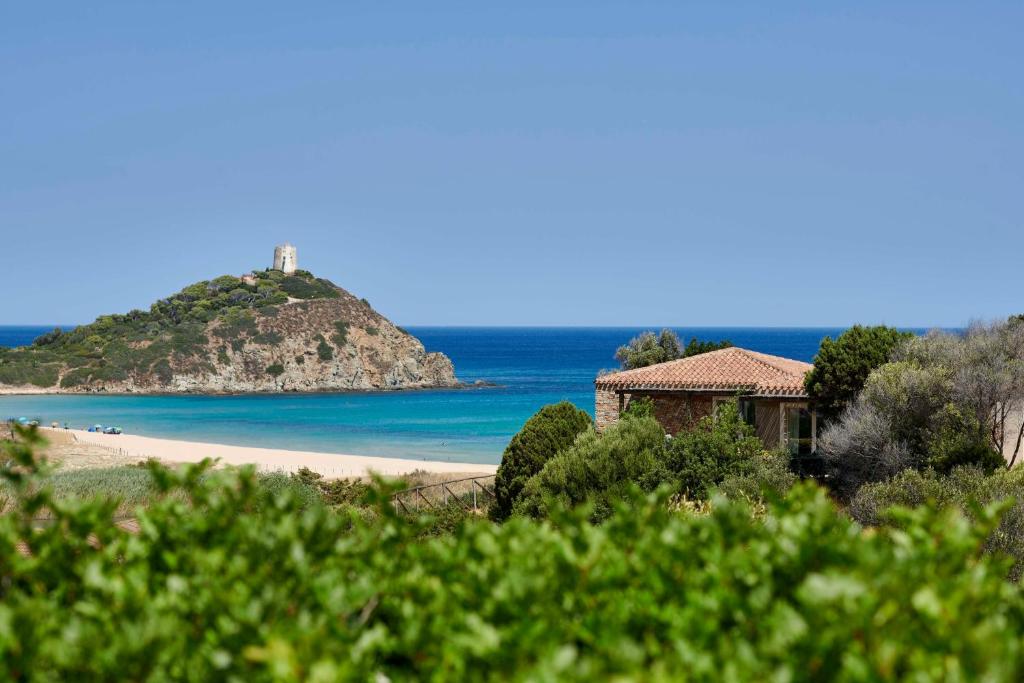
(550,430)
(241,585)
(964,489)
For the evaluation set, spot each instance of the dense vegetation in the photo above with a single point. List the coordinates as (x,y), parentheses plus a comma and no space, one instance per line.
(116,347)
(552,429)
(842,365)
(966,489)
(943,401)
(635,452)
(227,581)
(629,554)
(649,349)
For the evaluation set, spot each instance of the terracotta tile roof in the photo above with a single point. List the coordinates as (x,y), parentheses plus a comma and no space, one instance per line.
(729,370)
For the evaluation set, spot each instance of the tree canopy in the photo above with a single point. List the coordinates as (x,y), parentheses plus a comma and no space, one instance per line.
(843,364)
(551,429)
(649,348)
(944,400)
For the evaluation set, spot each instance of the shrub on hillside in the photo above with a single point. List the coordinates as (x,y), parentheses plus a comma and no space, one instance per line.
(550,430)
(599,469)
(227,582)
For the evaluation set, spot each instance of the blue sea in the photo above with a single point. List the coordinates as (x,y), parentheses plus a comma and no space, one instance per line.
(531,366)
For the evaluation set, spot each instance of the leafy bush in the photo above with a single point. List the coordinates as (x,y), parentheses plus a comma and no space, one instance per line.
(340,337)
(225,581)
(768,473)
(270,338)
(299,287)
(842,365)
(550,430)
(372,331)
(964,489)
(275,370)
(717,447)
(944,400)
(333,491)
(323,349)
(650,349)
(599,469)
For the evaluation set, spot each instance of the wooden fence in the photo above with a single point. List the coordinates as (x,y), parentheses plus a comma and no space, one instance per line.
(470,492)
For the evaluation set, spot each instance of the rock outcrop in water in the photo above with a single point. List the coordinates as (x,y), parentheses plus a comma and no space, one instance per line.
(269,332)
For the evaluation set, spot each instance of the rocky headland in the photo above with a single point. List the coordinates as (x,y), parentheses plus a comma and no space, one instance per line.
(266,332)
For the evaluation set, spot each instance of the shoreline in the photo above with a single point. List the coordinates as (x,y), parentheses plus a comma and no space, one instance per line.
(331,465)
(28,390)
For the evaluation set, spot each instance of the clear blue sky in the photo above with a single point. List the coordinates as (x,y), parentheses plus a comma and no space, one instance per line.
(599,163)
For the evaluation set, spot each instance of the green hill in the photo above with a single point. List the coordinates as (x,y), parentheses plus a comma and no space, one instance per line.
(228,334)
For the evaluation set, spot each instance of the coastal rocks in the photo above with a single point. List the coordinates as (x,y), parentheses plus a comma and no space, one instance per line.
(328,344)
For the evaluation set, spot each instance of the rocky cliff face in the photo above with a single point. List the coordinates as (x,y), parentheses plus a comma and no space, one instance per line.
(320,344)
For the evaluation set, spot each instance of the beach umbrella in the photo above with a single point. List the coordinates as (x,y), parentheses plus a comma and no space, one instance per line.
(97,427)
(22,420)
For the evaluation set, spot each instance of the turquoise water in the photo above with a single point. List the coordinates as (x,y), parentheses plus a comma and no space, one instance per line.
(532,366)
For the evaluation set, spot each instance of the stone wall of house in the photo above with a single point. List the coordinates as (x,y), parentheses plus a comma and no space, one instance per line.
(678,412)
(674,412)
(607,407)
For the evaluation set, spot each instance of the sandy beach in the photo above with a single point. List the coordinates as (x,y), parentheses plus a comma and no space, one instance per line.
(133,448)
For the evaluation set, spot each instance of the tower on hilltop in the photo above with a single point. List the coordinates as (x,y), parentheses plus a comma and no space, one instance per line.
(285,258)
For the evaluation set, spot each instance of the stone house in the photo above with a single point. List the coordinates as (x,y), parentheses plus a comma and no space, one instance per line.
(769,389)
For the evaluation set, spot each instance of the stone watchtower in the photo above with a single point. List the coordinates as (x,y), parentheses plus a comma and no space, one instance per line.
(285,258)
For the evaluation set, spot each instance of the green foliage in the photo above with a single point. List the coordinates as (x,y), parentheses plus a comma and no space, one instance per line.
(650,349)
(17,369)
(299,287)
(599,469)
(550,430)
(333,491)
(372,331)
(117,347)
(963,489)
(48,337)
(641,406)
(958,443)
(719,446)
(340,337)
(275,369)
(323,349)
(696,346)
(227,580)
(944,400)
(842,365)
(269,338)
